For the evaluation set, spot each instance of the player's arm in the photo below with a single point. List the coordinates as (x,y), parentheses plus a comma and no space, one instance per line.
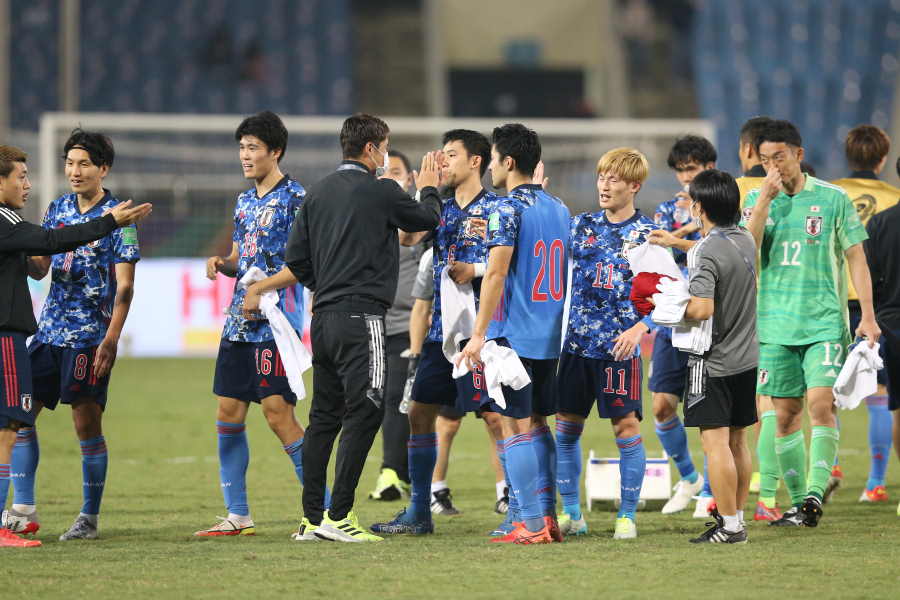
(106,352)
(862,281)
(419,321)
(280,280)
(770,187)
(699,309)
(411,238)
(667,239)
(38,266)
(227,265)
(702,289)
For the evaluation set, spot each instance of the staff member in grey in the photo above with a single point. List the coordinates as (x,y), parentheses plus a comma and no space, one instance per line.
(344,248)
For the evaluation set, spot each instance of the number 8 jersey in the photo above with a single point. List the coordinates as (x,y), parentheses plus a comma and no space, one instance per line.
(802,286)
(536,225)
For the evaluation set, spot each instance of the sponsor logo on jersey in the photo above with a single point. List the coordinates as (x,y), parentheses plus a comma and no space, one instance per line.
(265,219)
(25,401)
(813,225)
(763,376)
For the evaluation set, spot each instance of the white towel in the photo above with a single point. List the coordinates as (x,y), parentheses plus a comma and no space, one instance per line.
(294,355)
(457,313)
(502,366)
(671,302)
(858,378)
(650,258)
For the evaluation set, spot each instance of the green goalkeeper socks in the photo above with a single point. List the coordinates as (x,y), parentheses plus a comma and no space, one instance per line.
(769,472)
(822,451)
(791,452)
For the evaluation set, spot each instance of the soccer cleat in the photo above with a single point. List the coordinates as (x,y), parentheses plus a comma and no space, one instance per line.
(717,534)
(442,503)
(754,482)
(502,505)
(81,529)
(701,509)
(227,527)
(511,521)
(811,511)
(684,492)
(764,513)
(19,523)
(345,530)
(876,494)
(790,518)
(521,535)
(625,529)
(306,532)
(570,526)
(834,482)
(404,523)
(553,527)
(388,486)
(8,539)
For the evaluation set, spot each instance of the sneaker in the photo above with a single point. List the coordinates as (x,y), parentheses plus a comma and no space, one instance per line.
(228,527)
(570,526)
(388,486)
(701,509)
(521,535)
(306,532)
(717,534)
(754,482)
(764,513)
(811,511)
(8,539)
(790,518)
(20,523)
(442,503)
(345,530)
(508,524)
(876,494)
(834,482)
(502,505)
(404,523)
(625,529)
(684,493)
(553,527)
(81,529)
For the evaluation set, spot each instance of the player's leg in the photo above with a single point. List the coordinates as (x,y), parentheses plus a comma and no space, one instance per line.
(393,479)
(7,441)
(494,427)
(769,471)
(545,403)
(722,471)
(880,438)
(577,391)
(446,427)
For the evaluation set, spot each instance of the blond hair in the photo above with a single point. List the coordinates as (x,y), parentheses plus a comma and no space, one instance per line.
(626,163)
(8,156)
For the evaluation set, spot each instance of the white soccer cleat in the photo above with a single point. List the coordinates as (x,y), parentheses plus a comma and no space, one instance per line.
(626,529)
(19,523)
(701,510)
(684,493)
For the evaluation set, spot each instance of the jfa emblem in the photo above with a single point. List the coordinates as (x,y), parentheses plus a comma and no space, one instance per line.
(26,402)
(747,213)
(265,219)
(763,377)
(813,225)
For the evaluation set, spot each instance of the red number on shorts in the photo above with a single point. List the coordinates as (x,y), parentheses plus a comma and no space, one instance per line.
(608,269)
(264,362)
(557,268)
(81,363)
(609,382)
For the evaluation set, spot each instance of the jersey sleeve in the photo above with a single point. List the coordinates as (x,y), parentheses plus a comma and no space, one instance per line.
(747,210)
(850,230)
(503,225)
(125,245)
(236,236)
(703,280)
(664,217)
(49,216)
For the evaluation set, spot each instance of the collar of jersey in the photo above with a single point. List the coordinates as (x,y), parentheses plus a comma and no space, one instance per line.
(281,182)
(107,196)
(865,174)
(477,197)
(353,165)
(628,221)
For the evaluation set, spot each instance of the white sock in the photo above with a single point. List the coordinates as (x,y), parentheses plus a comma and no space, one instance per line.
(732,523)
(92,518)
(740,516)
(437,486)
(501,485)
(239,519)
(25,509)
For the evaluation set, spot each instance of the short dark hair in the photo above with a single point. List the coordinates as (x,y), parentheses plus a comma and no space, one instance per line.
(866,146)
(807,168)
(268,127)
(691,148)
(778,130)
(360,129)
(519,143)
(752,128)
(403,158)
(98,146)
(476,144)
(9,155)
(718,195)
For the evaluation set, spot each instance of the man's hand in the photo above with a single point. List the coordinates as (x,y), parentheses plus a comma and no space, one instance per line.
(628,340)
(538,177)
(461,272)
(430,172)
(663,238)
(124,214)
(105,357)
(250,308)
(214,264)
(472,352)
(869,330)
(771,185)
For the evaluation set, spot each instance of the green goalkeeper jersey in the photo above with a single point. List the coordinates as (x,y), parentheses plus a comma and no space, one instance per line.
(803,287)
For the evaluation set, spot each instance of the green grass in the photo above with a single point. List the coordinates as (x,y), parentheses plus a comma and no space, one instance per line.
(163,485)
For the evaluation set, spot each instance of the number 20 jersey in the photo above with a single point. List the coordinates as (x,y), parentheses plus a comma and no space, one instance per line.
(536,225)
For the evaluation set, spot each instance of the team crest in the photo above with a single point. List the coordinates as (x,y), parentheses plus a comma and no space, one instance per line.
(813,225)
(265,219)
(747,212)
(25,400)
(763,376)
(475,228)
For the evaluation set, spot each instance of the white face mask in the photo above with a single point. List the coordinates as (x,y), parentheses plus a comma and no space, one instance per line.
(379,171)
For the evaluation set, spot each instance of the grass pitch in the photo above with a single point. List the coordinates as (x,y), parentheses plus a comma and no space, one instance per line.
(163,485)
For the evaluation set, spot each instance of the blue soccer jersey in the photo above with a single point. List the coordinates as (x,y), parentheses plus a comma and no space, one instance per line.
(664,217)
(600,308)
(536,225)
(261,229)
(461,236)
(78,308)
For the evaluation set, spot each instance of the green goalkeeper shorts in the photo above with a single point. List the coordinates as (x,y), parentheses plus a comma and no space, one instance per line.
(788,371)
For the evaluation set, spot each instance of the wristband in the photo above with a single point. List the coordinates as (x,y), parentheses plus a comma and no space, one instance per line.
(480,268)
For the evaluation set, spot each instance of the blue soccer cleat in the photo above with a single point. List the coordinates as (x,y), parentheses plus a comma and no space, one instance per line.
(404,523)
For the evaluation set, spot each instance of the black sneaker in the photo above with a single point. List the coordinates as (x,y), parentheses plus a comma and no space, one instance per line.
(811,511)
(502,504)
(719,535)
(790,518)
(442,504)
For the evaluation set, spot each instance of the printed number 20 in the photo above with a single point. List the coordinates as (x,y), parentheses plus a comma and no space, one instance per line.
(556,258)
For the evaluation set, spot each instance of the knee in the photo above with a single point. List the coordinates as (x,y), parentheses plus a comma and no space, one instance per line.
(663,410)
(450,426)
(279,419)
(231,412)
(421,419)
(626,428)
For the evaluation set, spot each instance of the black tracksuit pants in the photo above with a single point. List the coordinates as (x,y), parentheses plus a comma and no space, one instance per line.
(395,425)
(348,385)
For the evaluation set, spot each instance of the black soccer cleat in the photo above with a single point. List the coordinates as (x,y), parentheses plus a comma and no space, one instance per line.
(791,518)
(719,535)
(811,511)
(442,503)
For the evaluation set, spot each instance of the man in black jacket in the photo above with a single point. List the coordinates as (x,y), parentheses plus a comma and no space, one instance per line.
(344,247)
(19,239)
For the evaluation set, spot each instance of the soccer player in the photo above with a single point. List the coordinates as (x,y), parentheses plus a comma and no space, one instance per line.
(75,346)
(806,229)
(600,360)
(248,366)
(689,156)
(522,300)
(459,243)
(867,148)
(752,172)
(19,239)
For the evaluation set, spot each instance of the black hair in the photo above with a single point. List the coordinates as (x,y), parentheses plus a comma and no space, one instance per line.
(691,148)
(778,130)
(98,146)
(476,144)
(718,195)
(752,128)
(807,168)
(359,130)
(268,127)
(519,143)
(403,158)
(898,166)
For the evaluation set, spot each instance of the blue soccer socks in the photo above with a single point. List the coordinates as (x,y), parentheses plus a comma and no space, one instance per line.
(4,484)
(632,464)
(295,452)
(880,438)
(545,451)
(93,471)
(25,457)
(422,456)
(568,465)
(234,456)
(522,462)
(673,438)
(706,492)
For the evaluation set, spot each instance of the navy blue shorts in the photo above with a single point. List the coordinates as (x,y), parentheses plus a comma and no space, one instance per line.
(890,350)
(536,398)
(855,317)
(668,365)
(434,384)
(616,386)
(16,392)
(63,374)
(251,371)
